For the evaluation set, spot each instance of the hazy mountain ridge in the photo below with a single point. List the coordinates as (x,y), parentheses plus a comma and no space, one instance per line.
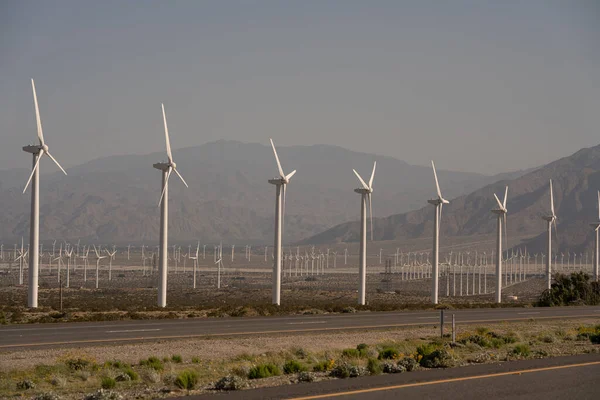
(114,199)
(576,179)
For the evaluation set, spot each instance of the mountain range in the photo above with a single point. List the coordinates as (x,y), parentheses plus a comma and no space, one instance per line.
(576,180)
(115,199)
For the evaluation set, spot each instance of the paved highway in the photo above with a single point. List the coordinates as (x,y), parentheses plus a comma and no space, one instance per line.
(572,377)
(92,333)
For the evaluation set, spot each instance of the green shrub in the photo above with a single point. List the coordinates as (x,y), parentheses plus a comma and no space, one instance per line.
(577,288)
(195,360)
(521,350)
(186,380)
(374,366)
(351,353)
(389,353)
(176,358)
(408,363)
(115,364)
(47,396)
(426,349)
(78,364)
(131,373)
(323,366)
(439,358)
(154,363)
(264,371)
(108,382)
(347,370)
(293,366)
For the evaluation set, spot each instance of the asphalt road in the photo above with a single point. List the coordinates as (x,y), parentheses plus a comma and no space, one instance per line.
(572,377)
(95,333)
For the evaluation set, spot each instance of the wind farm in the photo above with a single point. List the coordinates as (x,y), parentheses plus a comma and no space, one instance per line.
(436,224)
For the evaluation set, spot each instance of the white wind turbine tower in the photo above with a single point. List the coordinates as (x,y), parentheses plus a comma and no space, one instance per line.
(38,151)
(438,204)
(98,258)
(551,220)
(281,185)
(110,260)
(58,259)
(219,265)
(166,168)
(195,263)
(85,259)
(501,213)
(366,192)
(21,259)
(596,226)
(69,255)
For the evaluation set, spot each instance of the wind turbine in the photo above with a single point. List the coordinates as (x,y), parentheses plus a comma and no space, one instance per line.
(281,185)
(195,263)
(596,226)
(110,260)
(38,151)
(365,191)
(439,205)
(501,213)
(69,255)
(551,220)
(98,258)
(21,259)
(166,168)
(219,265)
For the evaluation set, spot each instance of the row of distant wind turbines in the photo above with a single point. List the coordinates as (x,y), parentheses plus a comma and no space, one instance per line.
(281,182)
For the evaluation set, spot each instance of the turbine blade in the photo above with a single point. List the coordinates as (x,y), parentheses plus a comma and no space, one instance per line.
(281,174)
(37,163)
(361,180)
(56,162)
(505,197)
(505,232)
(440,213)
(181,177)
(551,199)
(555,230)
(498,201)
(37,115)
(289,176)
(372,175)
(598,205)
(437,184)
(96,251)
(169,155)
(165,186)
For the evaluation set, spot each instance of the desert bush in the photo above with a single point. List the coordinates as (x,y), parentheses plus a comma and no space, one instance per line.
(478,339)
(408,363)
(374,366)
(264,371)
(388,353)
(293,366)
(176,358)
(187,380)
(154,363)
(150,375)
(78,364)
(305,376)
(25,384)
(323,366)
(577,288)
(390,367)
(195,360)
(351,353)
(47,396)
(58,381)
(347,370)
(102,394)
(426,349)
(108,382)
(115,364)
(521,350)
(439,358)
(230,382)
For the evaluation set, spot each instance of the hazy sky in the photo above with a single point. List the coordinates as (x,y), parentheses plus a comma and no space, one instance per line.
(478,86)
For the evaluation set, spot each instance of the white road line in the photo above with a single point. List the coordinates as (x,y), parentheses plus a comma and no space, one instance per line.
(307,322)
(527,313)
(428,317)
(134,330)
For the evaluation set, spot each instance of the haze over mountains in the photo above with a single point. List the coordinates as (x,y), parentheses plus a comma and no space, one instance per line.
(576,179)
(114,199)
